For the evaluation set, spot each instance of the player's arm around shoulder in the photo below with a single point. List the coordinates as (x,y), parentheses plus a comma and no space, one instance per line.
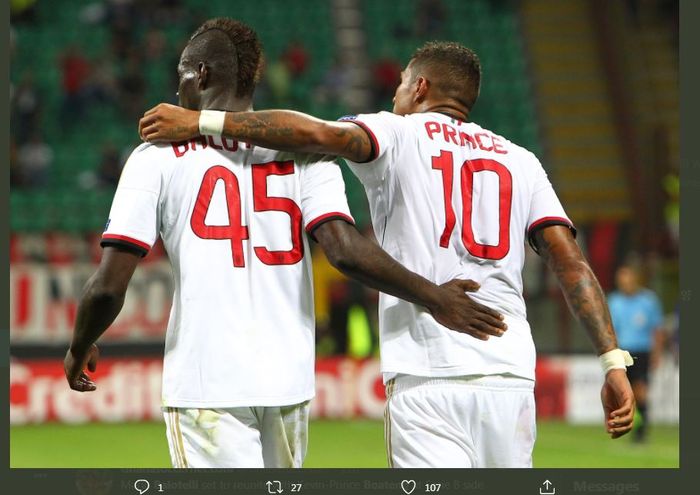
(586,300)
(283,130)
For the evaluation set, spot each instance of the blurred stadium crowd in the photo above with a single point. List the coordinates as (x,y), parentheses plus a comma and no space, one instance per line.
(589,86)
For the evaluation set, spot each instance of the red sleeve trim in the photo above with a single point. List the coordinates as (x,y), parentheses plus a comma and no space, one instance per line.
(552,221)
(126,239)
(547,222)
(375,144)
(326,217)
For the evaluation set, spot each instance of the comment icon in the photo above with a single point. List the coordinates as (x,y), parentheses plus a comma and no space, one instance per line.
(141,486)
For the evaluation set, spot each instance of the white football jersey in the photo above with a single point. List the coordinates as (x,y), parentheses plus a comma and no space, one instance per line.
(450,199)
(231,216)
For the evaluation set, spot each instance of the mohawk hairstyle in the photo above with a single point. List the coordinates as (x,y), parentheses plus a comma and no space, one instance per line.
(247,57)
(456,69)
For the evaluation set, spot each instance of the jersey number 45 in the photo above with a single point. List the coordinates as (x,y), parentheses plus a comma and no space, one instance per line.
(235,231)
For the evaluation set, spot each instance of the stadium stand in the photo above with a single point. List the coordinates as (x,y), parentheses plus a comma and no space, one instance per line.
(576,112)
(77,137)
(506,103)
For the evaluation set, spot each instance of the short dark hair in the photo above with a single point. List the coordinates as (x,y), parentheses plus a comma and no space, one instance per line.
(456,69)
(245,61)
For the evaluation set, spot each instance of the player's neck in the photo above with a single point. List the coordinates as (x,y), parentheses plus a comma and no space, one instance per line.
(446,109)
(226,102)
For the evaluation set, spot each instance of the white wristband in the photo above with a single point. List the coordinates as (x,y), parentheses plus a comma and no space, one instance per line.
(615,359)
(211,122)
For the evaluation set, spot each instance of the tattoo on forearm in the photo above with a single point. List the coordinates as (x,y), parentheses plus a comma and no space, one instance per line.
(292,131)
(260,126)
(355,142)
(583,295)
(587,302)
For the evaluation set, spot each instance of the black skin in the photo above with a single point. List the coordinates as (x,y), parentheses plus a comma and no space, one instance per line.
(346,249)
(100,303)
(294,131)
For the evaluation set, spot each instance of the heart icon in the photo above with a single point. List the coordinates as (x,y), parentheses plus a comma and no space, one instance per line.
(408,486)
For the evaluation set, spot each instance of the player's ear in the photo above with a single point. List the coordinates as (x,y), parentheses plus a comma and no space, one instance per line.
(421,89)
(202,76)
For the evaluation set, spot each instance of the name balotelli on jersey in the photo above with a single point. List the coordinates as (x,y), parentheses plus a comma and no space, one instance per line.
(232,219)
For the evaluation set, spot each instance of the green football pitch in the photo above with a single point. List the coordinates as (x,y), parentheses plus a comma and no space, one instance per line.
(356,444)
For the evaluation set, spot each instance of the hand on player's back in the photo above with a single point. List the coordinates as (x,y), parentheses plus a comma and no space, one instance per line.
(166,122)
(461,313)
(618,403)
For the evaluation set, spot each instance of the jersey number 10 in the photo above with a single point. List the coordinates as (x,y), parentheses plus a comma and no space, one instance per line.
(235,231)
(445,164)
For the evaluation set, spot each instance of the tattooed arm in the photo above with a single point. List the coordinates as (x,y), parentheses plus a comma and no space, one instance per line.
(587,302)
(581,289)
(276,129)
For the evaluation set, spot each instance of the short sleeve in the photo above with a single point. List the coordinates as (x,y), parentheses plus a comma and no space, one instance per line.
(545,207)
(657,315)
(323,195)
(133,218)
(386,132)
(613,306)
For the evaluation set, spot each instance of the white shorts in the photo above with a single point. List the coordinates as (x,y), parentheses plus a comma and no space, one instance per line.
(240,437)
(460,422)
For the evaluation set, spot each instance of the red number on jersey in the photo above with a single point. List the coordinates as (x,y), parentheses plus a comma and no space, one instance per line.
(234,230)
(263,202)
(444,163)
(505,193)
